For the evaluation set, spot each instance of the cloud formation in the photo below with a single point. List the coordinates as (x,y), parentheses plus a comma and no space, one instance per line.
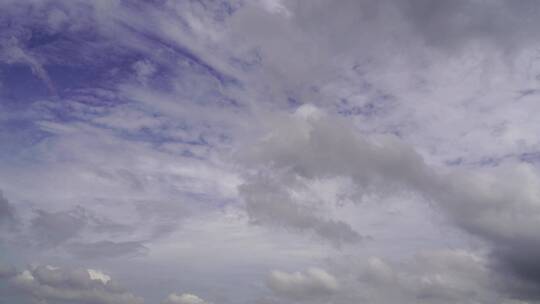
(54,228)
(47,283)
(498,204)
(185,298)
(451,276)
(448,276)
(202,145)
(7,212)
(314,283)
(270,204)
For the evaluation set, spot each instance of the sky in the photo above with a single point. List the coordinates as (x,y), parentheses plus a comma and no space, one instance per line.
(269,151)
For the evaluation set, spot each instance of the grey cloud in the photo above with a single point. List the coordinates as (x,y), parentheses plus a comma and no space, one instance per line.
(7,211)
(450,24)
(517,260)
(311,145)
(54,228)
(500,204)
(69,228)
(446,25)
(165,216)
(106,249)
(435,277)
(314,283)
(105,225)
(448,276)
(303,47)
(268,203)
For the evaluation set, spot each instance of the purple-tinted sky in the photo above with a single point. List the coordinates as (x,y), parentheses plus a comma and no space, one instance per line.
(269,151)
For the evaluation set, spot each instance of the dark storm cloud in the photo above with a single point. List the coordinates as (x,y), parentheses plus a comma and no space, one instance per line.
(517,262)
(514,256)
(501,206)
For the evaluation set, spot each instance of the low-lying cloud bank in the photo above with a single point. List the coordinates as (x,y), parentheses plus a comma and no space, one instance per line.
(45,283)
(499,204)
(449,276)
(50,284)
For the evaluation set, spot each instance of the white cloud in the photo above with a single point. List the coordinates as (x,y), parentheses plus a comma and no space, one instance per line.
(99,276)
(185,298)
(47,283)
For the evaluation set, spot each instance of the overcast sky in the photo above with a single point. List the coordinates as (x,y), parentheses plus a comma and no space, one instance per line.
(269,151)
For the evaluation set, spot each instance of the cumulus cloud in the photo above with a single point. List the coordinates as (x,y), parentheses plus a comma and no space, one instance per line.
(49,283)
(185,298)
(315,283)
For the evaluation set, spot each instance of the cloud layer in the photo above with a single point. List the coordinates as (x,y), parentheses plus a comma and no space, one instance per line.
(269,151)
